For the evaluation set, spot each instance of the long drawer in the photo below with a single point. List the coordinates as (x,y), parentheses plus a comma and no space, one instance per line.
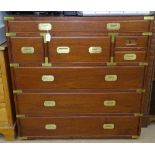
(79,77)
(79,127)
(78,103)
(79,24)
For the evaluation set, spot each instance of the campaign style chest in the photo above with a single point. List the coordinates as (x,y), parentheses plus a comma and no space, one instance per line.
(7,122)
(79,77)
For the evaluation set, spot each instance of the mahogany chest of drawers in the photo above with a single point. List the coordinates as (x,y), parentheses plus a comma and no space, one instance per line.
(79,77)
(7,123)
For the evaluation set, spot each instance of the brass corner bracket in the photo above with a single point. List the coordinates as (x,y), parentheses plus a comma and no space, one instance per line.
(7,18)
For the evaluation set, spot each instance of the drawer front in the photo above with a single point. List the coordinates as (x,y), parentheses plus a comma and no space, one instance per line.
(131,41)
(78,103)
(82,126)
(79,49)
(27,49)
(3,115)
(79,77)
(130,56)
(78,25)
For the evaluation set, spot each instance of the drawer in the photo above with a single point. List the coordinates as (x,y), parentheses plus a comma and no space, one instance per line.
(78,127)
(130,56)
(3,115)
(78,24)
(79,77)
(79,49)
(131,41)
(27,49)
(78,103)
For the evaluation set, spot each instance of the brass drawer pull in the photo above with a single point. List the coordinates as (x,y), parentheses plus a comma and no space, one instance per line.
(47,78)
(45,26)
(49,104)
(50,126)
(110,77)
(113,26)
(95,50)
(130,56)
(27,50)
(109,103)
(63,49)
(108,126)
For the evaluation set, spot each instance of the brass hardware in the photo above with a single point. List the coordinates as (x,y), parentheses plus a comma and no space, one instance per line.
(135,137)
(108,126)
(130,56)
(143,64)
(113,26)
(148,17)
(46,37)
(50,126)
(109,103)
(113,36)
(140,90)
(147,33)
(11,34)
(8,18)
(22,138)
(63,49)
(15,65)
(47,78)
(18,91)
(110,77)
(20,116)
(95,50)
(27,50)
(131,42)
(138,114)
(46,64)
(111,63)
(44,26)
(49,104)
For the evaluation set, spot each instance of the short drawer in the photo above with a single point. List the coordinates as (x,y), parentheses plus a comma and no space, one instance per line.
(78,103)
(79,77)
(27,49)
(130,56)
(79,24)
(131,41)
(79,127)
(79,49)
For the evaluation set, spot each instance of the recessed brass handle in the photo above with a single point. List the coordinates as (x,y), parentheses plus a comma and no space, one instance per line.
(95,50)
(108,126)
(109,103)
(47,78)
(50,126)
(63,49)
(49,103)
(27,50)
(130,56)
(113,26)
(110,77)
(45,26)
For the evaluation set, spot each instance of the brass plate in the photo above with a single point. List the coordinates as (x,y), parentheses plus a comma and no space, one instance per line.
(108,126)
(63,50)
(49,104)
(27,50)
(113,26)
(47,78)
(95,50)
(45,26)
(110,77)
(109,103)
(130,56)
(50,126)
